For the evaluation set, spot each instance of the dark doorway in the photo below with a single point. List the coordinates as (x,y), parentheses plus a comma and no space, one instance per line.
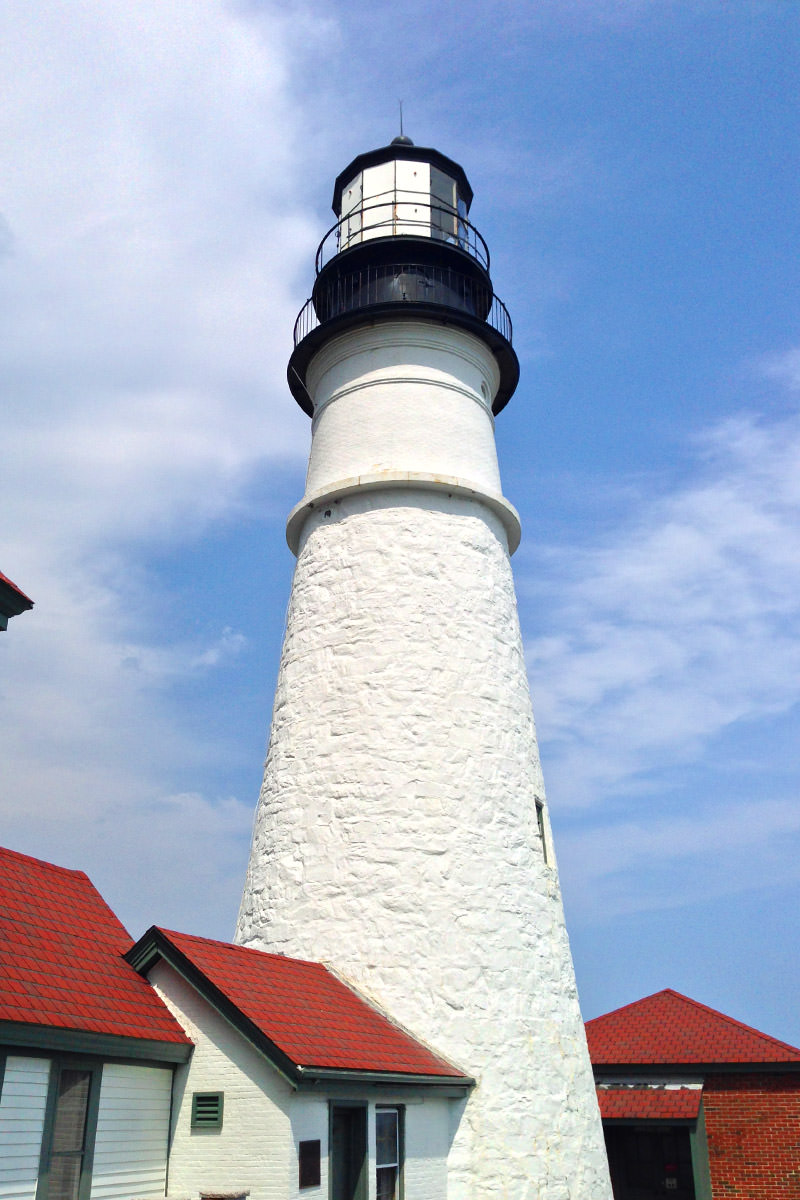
(348,1152)
(648,1162)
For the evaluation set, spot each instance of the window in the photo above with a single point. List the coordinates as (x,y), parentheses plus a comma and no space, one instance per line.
(387,1153)
(309,1154)
(540,825)
(68,1141)
(207,1110)
(444,212)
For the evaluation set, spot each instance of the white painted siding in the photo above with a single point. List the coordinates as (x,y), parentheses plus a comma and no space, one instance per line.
(22,1108)
(130,1153)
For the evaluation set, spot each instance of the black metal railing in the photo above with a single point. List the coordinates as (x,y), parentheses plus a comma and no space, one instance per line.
(393,217)
(402,283)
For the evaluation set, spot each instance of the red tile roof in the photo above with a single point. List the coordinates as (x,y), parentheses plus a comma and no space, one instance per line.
(670,1028)
(313,1018)
(649,1104)
(61,961)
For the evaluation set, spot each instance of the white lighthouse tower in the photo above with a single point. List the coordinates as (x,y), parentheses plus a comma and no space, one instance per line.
(402,833)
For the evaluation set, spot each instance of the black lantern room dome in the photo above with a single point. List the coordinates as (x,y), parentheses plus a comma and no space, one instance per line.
(402,248)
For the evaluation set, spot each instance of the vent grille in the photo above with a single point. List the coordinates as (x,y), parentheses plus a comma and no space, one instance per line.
(207,1110)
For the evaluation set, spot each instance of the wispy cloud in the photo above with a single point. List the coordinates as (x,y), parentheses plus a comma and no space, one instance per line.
(659,649)
(685,621)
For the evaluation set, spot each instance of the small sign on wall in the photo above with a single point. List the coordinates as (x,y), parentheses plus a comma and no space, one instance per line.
(309,1154)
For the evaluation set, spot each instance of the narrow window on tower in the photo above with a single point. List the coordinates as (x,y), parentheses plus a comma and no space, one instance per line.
(540,826)
(388,1150)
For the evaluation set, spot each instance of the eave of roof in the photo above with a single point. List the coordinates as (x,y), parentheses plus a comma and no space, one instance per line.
(649,1103)
(100,1045)
(157,944)
(13,600)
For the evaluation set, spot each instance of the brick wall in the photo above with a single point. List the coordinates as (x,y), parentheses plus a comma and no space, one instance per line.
(753,1131)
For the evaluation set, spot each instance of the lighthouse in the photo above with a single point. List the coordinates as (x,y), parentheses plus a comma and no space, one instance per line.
(402,834)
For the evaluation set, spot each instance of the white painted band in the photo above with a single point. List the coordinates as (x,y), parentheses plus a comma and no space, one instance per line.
(404,479)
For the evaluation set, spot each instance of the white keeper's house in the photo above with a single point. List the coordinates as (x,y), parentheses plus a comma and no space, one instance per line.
(194,1068)
(398,1017)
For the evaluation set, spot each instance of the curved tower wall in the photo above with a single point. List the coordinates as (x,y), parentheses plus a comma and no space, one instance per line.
(396,837)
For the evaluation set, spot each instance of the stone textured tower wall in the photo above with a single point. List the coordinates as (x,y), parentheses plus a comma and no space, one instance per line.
(396,837)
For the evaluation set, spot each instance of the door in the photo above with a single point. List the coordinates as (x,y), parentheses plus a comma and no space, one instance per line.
(650,1162)
(348,1152)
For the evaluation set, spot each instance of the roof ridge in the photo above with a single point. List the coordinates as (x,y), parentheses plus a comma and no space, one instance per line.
(767,1037)
(41,862)
(196,937)
(633,1004)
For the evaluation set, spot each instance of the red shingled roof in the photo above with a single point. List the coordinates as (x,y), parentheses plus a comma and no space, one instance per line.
(649,1103)
(304,1010)
(61,961)
(670,1028)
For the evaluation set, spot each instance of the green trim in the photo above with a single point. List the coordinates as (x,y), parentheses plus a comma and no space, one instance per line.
(701,1170)
(3,1057)
(104,1045)
(312,1076)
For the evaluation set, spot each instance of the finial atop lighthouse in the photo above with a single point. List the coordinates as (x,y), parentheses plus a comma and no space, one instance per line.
(401,140)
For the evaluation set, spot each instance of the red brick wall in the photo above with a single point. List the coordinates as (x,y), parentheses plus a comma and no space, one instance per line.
(753,1131)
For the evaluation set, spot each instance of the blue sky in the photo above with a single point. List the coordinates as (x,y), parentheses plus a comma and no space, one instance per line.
(635,171)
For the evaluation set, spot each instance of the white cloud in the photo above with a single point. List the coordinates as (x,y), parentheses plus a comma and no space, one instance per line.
(155,244)
(665,859)
(670,651)
(684,622)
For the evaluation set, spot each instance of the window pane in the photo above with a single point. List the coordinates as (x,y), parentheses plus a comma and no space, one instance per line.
(70,1121)
(65,1177)
(443,198)
(386,1147)
(386,1183)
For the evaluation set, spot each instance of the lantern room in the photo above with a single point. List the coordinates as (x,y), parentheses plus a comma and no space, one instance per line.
(402,190)
(402,248)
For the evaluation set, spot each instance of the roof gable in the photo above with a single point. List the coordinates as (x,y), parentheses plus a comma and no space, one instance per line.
(305,1019)
(668,1028)
(61,964)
